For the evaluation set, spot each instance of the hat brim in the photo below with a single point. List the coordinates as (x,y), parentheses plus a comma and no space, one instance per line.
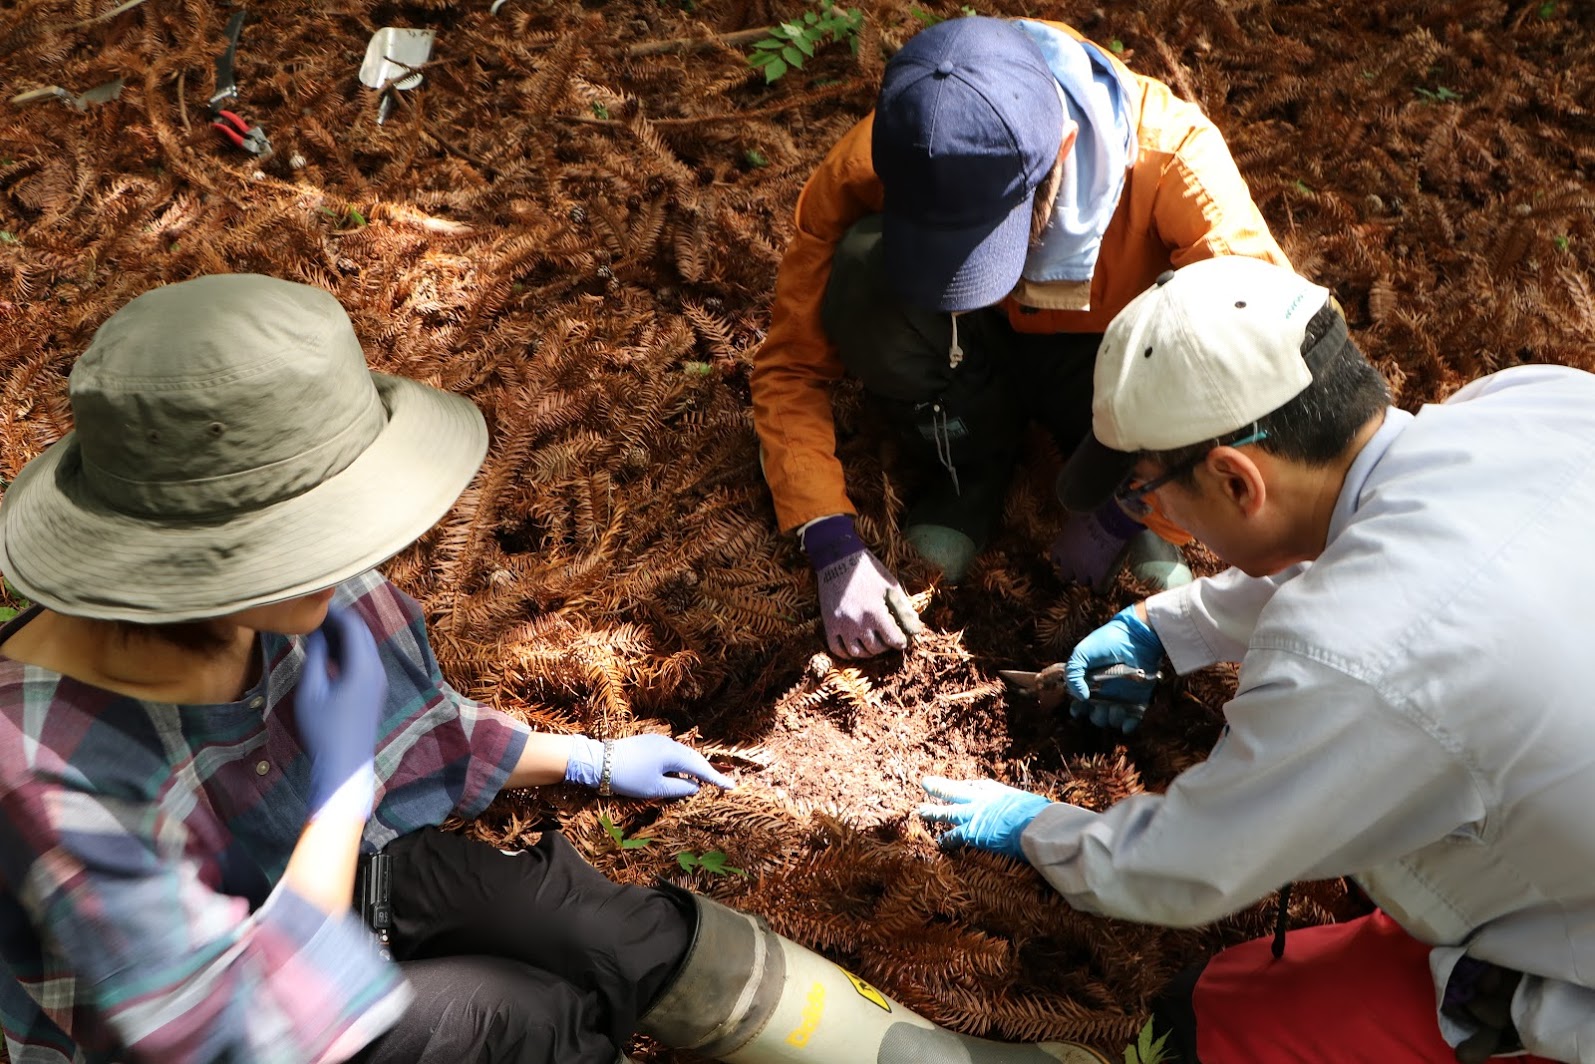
(953,270)
(62,547)
(1093,473)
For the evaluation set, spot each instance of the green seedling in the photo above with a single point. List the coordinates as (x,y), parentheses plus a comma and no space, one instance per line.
(600,111)
(1548,9)
(791,43)
(755,158)
(713,862)
(1562,242)
(1439,95)
(616,833)
(7,237)
(697,369)
(1116,46)
(1303,188)
(1147,1050)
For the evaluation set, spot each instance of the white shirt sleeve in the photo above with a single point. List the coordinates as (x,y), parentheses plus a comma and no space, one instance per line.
(1211,620)
(1318,775)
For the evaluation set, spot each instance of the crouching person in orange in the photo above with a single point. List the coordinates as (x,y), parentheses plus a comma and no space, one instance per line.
(218,716)
(959,253)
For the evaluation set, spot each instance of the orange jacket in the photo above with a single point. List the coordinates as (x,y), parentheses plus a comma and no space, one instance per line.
(1183,200)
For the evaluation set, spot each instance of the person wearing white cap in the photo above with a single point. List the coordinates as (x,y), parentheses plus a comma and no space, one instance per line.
(218,718)
(1408,713)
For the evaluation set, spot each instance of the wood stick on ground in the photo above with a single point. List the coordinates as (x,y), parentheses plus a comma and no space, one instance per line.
(677,45)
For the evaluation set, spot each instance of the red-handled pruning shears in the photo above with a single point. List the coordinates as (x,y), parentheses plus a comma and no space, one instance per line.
(227,123)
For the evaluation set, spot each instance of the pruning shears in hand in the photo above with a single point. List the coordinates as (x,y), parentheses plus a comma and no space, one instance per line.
(228,124)
(1050,688)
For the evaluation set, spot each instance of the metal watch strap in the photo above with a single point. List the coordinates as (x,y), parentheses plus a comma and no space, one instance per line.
(609,764)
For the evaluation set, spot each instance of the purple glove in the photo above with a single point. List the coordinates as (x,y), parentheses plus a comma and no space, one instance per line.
(864,608)
(338,715)
(640,766)
(1088,548)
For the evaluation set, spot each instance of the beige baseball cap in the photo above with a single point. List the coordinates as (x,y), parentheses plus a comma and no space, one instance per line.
(1204,352)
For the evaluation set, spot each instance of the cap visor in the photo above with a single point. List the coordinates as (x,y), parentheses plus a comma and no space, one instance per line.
(1092,474)
(62,547)
(956,269)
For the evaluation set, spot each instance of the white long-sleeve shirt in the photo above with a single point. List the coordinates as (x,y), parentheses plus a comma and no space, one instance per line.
(1413,708)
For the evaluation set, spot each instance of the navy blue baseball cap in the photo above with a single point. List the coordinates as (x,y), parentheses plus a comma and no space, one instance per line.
(967,125)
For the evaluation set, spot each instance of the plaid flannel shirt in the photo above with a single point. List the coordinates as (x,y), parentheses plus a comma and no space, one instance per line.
(142,844)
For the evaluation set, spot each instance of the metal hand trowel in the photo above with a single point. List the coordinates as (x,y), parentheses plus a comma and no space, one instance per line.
(392,62)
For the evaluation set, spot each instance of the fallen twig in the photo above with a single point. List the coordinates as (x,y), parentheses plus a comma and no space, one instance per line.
(677,45)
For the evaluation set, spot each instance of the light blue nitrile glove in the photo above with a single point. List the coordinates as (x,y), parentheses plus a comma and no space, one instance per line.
(985,814)
(642,766)
(864,608)
(338,715)
(1120,703)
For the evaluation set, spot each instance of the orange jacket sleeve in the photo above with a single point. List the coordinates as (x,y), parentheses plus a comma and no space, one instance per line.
(1202,207)
(795,365)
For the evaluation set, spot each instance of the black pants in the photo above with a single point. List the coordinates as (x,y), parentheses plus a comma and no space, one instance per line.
(972,416)
(527,958)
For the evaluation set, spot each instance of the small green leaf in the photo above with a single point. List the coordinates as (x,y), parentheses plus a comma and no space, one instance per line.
(687,860)
(770,44)
(773,70)
(1548,9)
(805,46)
(1562,242)
(792,29)
(697,369)
(810,17)
(968,11)
(760,59)
(793,56)
(356,217)
(6,613)
(1301,186)
(329,212)
(609,826)
(7,237)
(600,111)
(755,158)
(1116,46)
(636,843)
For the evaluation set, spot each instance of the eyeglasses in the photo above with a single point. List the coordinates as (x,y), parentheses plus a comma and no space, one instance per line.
(1134,501)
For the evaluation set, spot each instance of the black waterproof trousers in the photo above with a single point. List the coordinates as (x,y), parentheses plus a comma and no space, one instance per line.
(965,420)
(522,958)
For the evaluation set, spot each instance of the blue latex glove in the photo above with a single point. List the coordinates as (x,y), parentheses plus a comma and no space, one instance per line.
(338,714)
(1089,547)
(864,608)
(642,766)
(985,814)
(1121,703)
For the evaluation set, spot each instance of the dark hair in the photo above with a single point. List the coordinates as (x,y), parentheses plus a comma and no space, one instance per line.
(198,637)
(1318,424)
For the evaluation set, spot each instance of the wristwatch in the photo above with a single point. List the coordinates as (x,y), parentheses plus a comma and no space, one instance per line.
(609,764)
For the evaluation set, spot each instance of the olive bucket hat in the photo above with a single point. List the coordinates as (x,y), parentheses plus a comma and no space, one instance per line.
(230,449)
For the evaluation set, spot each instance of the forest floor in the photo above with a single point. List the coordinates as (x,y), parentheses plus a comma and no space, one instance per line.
(576,220)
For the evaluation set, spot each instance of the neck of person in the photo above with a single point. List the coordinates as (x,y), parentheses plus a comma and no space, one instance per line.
(1313,492)
(140,665)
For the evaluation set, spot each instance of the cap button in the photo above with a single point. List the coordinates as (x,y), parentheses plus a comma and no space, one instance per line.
(944,68)
(1164,278)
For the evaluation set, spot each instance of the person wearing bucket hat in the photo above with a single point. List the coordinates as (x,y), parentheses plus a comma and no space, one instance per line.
(959,252)
(1406,712)
(216,704)
(223,725)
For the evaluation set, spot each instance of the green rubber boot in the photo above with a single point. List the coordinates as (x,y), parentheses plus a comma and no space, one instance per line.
(1155,561)
(746,995)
